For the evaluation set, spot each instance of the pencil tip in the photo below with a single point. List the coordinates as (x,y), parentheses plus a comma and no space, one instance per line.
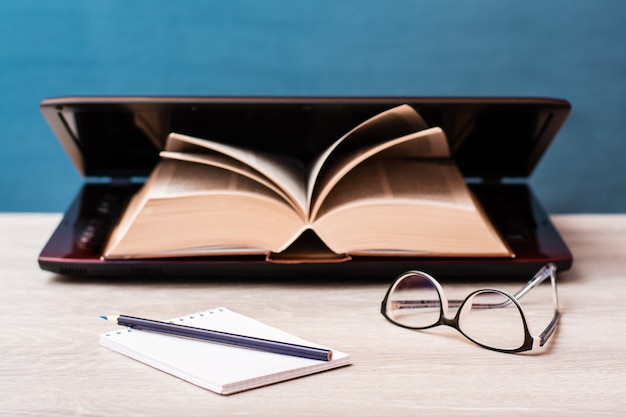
(104,317)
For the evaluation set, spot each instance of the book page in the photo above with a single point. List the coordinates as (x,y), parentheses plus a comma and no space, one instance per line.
(175,178)
(411,208)
(285,173)
(436,182)
(396,122)
(230,164)
(133,208)
(187,208)
(428,143)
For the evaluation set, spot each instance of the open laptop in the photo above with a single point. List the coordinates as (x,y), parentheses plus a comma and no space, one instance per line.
(115,141)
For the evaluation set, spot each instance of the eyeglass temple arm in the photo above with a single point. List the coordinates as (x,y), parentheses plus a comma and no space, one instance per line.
(545,335)
(540,276)
(415,303)
(451,303)
(546,272)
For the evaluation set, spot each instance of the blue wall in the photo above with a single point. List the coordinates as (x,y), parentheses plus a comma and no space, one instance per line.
(564,48)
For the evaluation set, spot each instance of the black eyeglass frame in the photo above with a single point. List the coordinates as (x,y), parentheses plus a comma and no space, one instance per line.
(530,343)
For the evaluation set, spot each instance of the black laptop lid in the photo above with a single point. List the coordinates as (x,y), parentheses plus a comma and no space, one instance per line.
(120,137)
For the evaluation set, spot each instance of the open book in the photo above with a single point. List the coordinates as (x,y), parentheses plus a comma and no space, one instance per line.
(386,188)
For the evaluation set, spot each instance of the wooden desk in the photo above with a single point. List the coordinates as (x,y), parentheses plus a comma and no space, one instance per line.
(51,362)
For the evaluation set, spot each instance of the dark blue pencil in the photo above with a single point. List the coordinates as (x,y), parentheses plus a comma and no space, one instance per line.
(266,345)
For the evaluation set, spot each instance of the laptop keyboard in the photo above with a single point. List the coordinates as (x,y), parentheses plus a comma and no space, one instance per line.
(99,212)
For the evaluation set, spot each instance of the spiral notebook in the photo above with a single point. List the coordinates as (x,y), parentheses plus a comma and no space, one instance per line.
(220,368)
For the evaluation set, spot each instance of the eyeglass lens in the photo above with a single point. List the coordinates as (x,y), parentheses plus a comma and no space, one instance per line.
(414,302)
(493,319)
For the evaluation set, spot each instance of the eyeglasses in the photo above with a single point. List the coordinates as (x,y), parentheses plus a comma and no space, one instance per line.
(490,318)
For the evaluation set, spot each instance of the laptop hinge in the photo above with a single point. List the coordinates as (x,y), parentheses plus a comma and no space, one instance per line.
(491,181)
(484,181)
(120,181)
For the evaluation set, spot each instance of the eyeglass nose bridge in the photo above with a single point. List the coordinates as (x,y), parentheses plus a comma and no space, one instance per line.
(450,322)
(463,308)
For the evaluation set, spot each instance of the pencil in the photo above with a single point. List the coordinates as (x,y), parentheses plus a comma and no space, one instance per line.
(266,345)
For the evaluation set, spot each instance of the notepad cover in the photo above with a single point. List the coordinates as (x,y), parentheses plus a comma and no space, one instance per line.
(220,368)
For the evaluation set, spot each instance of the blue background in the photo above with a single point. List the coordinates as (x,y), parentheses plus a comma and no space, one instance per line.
(564,48)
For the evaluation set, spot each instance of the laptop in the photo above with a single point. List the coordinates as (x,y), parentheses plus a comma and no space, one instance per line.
(114,142)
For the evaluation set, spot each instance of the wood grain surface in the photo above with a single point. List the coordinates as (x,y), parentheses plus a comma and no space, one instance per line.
(52,364)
